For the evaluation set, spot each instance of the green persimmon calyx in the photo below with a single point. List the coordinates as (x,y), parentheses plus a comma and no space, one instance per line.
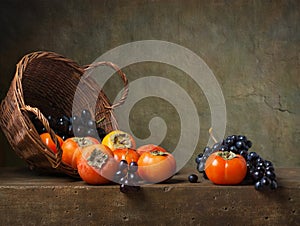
(83,141)
(159,153)
(97,158)
(227,155)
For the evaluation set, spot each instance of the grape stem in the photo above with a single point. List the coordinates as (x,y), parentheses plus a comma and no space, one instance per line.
(211,135)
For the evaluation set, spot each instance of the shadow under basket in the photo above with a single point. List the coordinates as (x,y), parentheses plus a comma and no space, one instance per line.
(45,83)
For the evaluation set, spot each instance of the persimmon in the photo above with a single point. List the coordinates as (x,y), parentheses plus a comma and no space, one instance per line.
(149,147)
(47,140)
(117,139)
(72,148)
(128,154)
(225,168)
(156,166)
(96,164)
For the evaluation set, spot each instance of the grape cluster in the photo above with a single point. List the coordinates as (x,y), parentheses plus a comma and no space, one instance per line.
(86,126)
(127,177)
(260,172)
(66,127)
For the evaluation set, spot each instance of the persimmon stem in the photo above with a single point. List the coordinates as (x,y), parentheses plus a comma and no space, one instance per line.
(211,135)
(227,155)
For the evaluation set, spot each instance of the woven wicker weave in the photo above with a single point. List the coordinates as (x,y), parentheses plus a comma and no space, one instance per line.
(45,84)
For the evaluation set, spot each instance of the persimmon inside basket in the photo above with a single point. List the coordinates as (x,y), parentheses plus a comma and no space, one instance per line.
(45,84)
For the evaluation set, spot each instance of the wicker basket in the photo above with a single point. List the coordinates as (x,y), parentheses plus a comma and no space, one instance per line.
(45,84)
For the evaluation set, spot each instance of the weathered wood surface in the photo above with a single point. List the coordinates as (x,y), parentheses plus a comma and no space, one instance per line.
(31,199)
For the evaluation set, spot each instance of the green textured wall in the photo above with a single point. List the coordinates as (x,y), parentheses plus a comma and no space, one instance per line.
(252,47)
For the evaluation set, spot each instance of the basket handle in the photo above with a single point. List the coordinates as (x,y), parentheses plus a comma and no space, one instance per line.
(121,74)
(55,163)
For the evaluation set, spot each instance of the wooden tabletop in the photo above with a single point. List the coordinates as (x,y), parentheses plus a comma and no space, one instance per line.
(11,176)
(29,198)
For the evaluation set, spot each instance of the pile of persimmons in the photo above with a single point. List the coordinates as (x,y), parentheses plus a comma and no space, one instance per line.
(97,161)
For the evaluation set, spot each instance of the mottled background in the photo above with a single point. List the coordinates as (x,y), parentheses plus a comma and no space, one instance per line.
(252,47)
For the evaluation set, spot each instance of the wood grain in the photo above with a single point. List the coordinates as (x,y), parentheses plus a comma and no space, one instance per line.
(31,199)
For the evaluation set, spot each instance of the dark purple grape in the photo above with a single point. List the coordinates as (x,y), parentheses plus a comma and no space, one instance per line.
(133,179)
(229,142)
(216,147)
(91,123)
(193,178)
(273,185)
(260,168)
(270,168)
(198,158)
(260,162)
(242,138)
(85,115)
(124,188)
(133,166)
(123,165)
(252,156)
(126,181)
(223,142)
(244,153)
(258,185)
(223,148)
(80,131)
(240,144)
(206,149)
(270,174)
(119,175)
(257,175)
(249,165)
(201,166)
(249,144)
(200,155)
(233,137)
(75,120)
(122,179)
(250,172)
(91,133)
(268,163)
(265,181)
(233,149)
